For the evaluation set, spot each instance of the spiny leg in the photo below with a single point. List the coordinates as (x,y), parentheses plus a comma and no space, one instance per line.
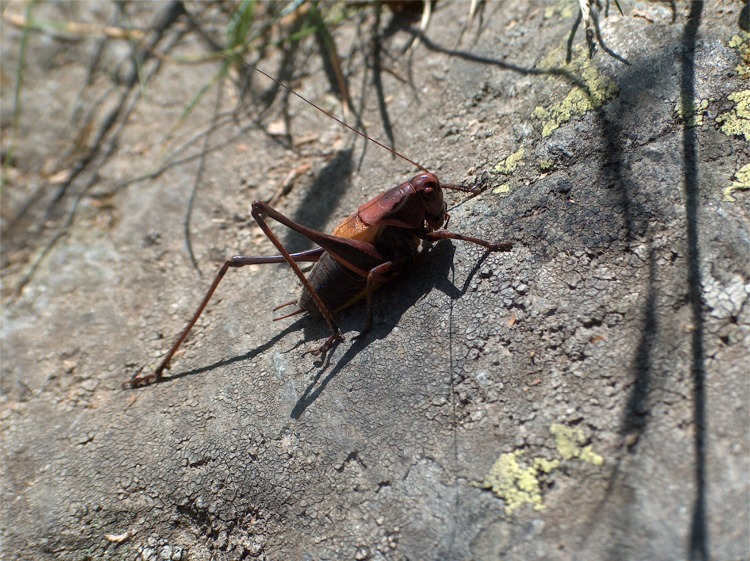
(376,278)
(234,262)
(259,211)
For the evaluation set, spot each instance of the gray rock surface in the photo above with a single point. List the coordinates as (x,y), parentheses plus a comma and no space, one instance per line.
(584,396)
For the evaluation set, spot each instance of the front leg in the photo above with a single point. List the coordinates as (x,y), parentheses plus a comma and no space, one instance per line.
(375,280)
(443,235)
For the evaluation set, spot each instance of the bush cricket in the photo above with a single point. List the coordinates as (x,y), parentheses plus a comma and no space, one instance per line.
(369,248)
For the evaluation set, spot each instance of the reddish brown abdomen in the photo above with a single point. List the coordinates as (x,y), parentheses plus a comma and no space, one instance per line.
(337,286)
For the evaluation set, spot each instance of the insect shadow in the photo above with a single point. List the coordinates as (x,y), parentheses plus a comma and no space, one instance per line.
(240,358)
(399,298)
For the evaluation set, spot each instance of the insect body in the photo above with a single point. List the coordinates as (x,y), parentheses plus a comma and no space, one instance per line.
(372,245)
(366,250)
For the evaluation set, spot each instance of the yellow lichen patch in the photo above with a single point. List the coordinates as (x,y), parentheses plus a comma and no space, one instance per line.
(742,181)
(515,479)
(737,120)
(562,10)
(509,164)
(518,479)
(546,466)
(595,90)
(504,189)
(546,165)
(569,440)
(741,42)
(693,116)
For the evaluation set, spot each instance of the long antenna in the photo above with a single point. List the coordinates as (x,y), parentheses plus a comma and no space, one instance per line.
(339,121)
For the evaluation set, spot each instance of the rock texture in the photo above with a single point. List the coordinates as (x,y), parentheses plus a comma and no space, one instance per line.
(584,396)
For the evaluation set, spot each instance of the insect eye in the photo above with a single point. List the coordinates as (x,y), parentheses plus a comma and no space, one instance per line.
(429,192)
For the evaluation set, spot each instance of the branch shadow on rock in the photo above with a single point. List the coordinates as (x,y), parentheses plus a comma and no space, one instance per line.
(635,417)
(638,217)
(635,229)
(320,200)
(57,208)
(698,547)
